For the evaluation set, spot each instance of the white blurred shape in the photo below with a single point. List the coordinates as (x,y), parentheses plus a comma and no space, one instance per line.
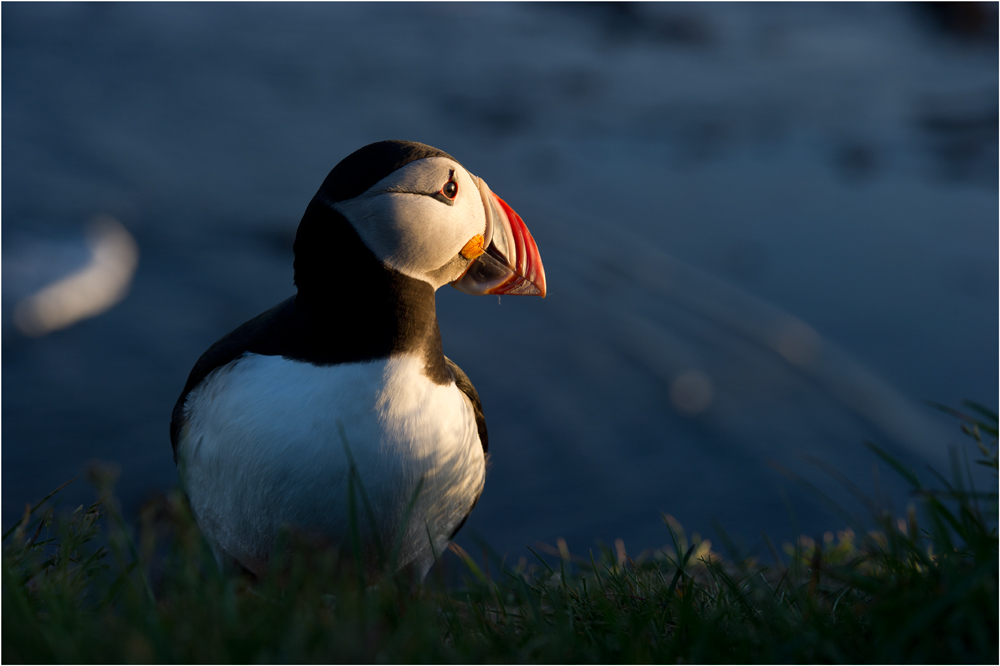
(102,283)
(691,392)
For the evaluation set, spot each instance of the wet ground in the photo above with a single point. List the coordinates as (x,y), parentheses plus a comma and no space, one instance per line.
(770,231)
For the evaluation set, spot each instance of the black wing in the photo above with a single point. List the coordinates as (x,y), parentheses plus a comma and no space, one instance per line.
(466,387)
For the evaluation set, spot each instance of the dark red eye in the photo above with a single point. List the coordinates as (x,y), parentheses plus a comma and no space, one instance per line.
(450,189)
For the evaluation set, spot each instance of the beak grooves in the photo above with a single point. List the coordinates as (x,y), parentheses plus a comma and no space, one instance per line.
(509,263)
(529,274)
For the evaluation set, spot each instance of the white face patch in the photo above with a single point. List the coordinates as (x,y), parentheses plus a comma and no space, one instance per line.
(411,230)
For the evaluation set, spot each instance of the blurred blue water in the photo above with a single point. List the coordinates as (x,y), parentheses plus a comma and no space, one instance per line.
(796,202)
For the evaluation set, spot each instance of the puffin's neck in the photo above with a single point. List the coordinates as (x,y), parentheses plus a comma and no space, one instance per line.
(350,298)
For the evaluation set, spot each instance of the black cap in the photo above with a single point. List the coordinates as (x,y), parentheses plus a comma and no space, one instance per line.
(366,166)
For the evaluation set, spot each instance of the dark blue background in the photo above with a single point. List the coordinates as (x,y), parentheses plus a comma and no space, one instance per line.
(702,180)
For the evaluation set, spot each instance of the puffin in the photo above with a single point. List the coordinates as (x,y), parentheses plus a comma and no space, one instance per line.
(336,414)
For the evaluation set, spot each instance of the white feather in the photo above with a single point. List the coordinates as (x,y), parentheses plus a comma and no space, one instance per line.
(262,449)
(411,231)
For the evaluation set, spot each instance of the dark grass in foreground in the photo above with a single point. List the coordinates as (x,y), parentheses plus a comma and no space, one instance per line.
(919,589)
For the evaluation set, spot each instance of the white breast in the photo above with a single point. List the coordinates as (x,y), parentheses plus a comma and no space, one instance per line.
(263,449)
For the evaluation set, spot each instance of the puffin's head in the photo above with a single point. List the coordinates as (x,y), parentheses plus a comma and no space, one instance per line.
(421,213)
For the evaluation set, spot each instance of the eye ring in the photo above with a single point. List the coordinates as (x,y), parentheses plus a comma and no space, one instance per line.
(450,189)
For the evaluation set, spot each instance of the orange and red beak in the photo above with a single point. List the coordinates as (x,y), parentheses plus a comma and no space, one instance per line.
(510,263)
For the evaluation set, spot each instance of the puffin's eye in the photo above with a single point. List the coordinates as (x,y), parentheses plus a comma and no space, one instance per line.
(449,191)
